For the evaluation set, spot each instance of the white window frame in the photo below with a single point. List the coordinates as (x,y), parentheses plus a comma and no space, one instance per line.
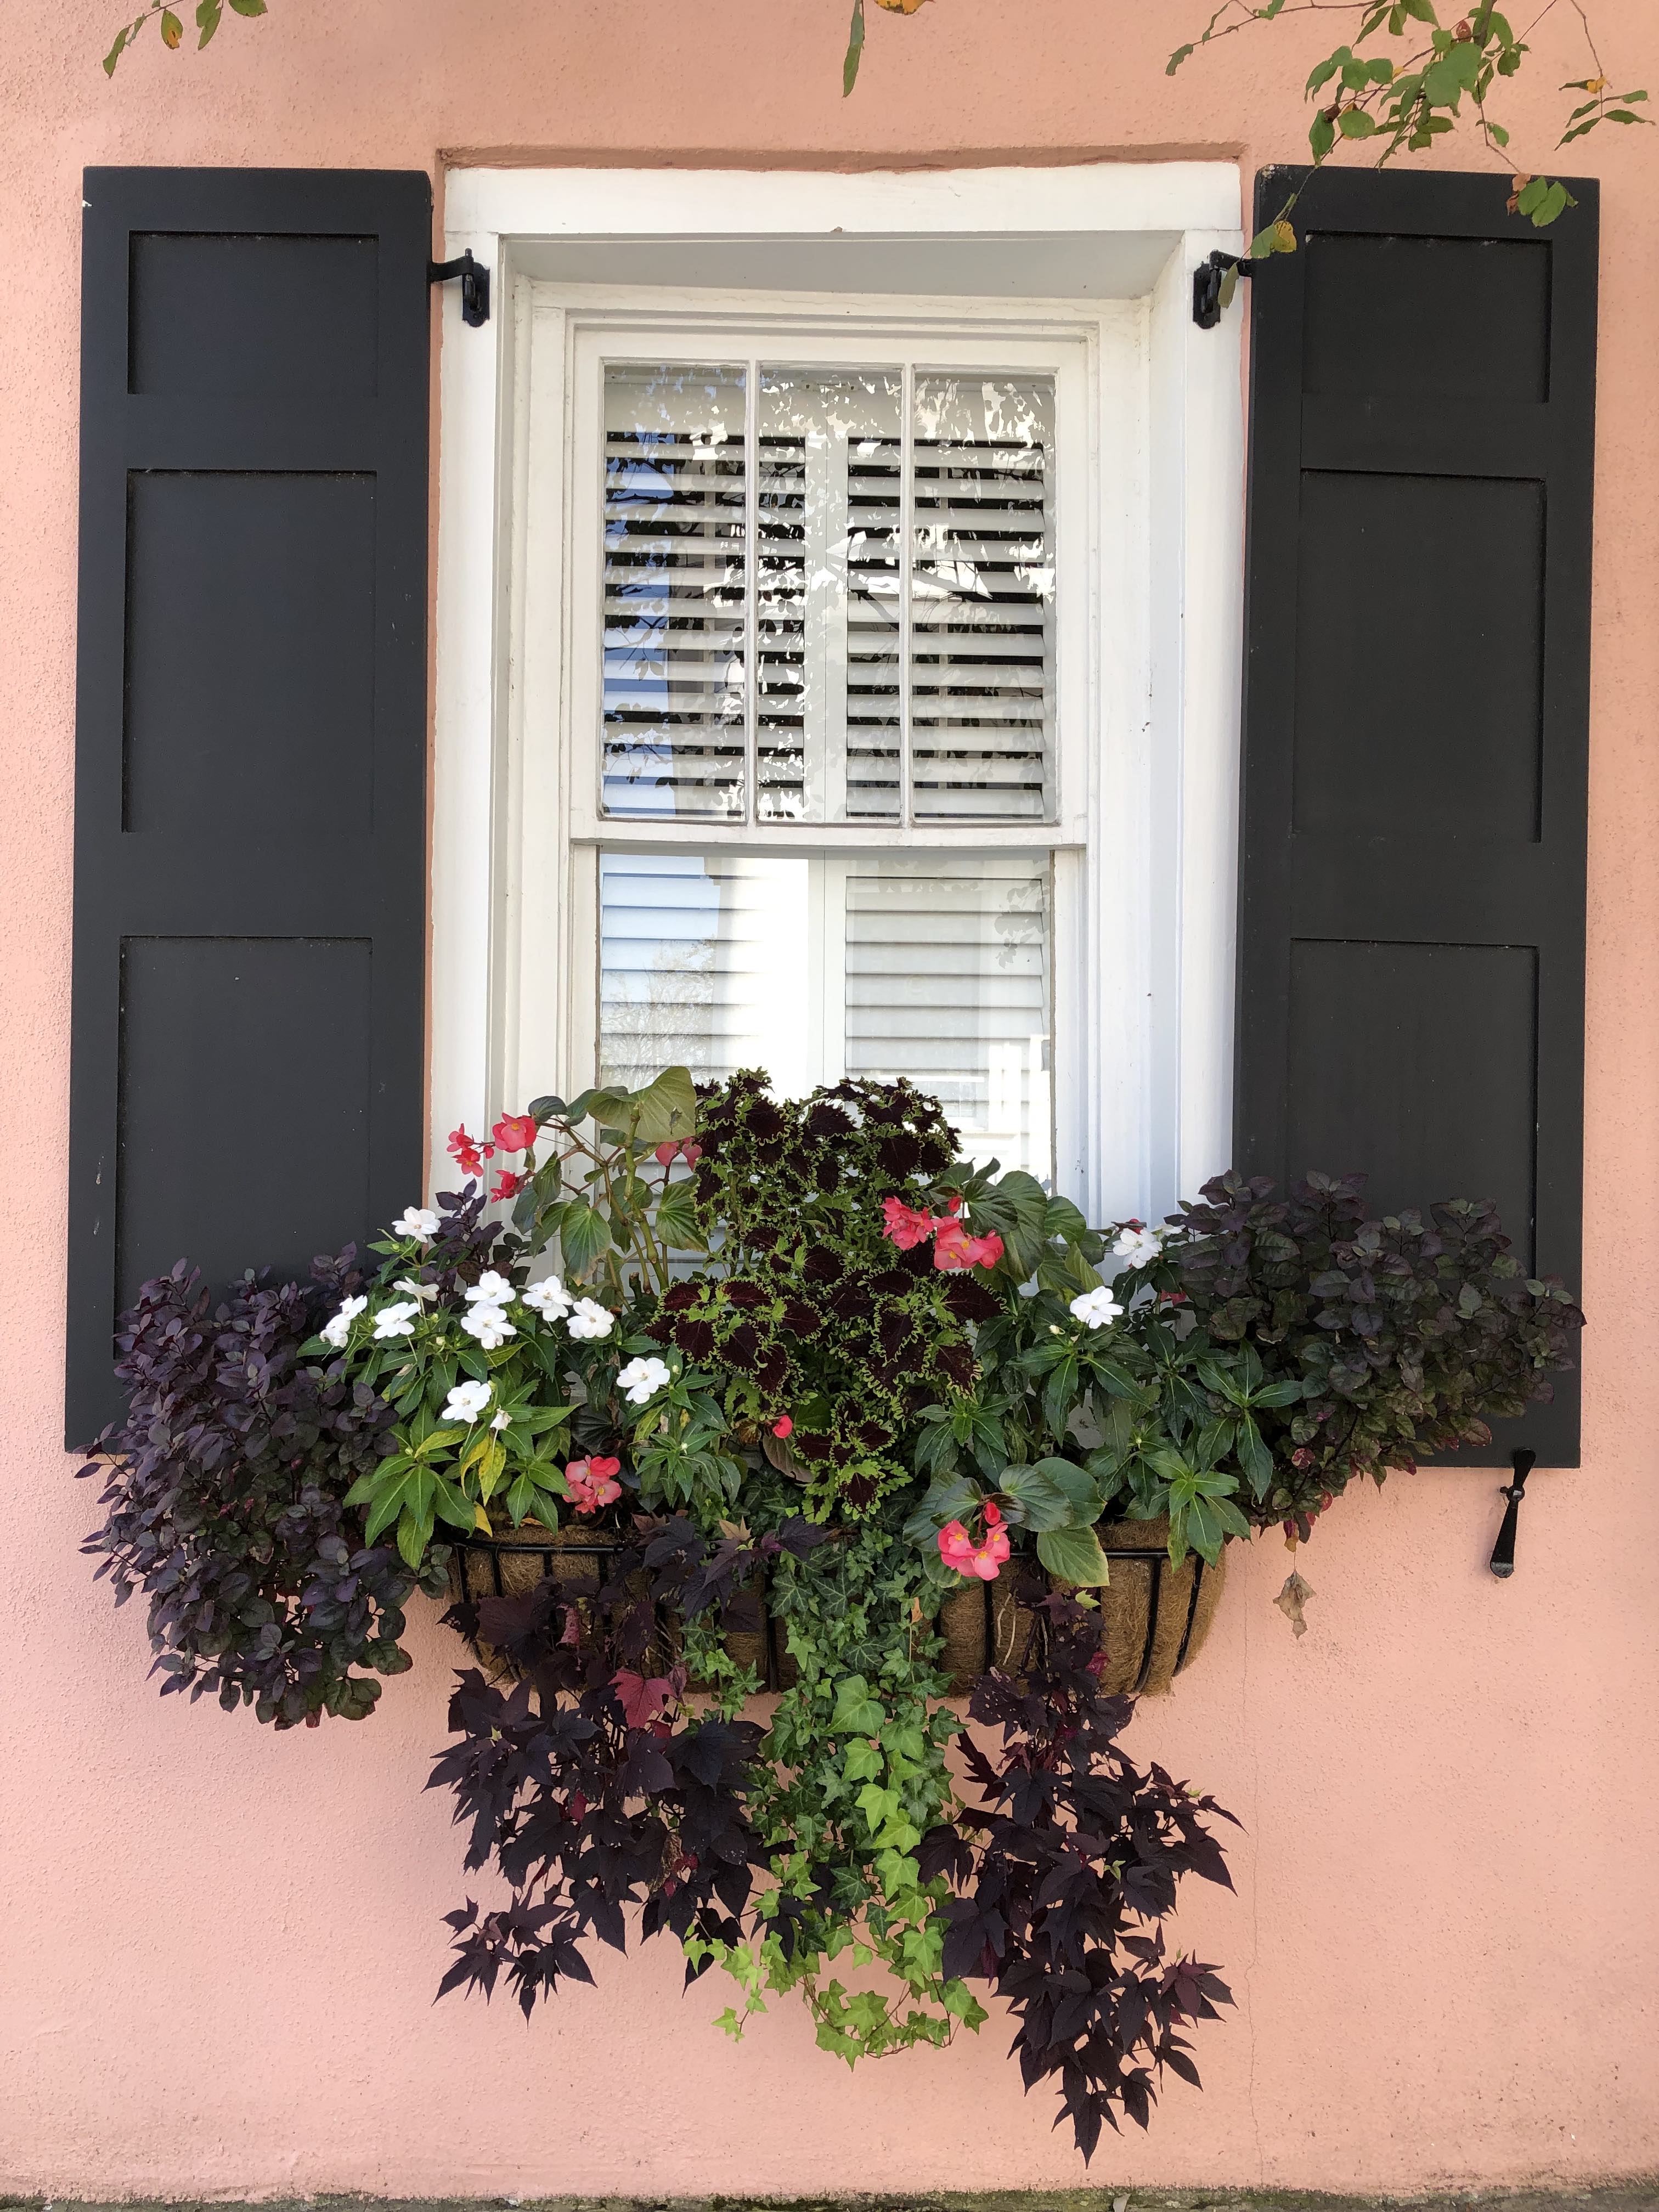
(1144,949)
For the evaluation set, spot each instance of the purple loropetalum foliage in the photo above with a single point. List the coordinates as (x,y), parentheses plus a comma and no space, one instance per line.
(223,1488)
(1062,1877)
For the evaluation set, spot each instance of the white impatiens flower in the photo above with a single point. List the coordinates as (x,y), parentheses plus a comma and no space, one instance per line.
(416,1221)
(491,1290)
(1097,1309)
(549,1299)
(397,1320)
(489,1324)
(466,1402)
(336,1331)
(1138,1247)
(502,1421)
(642,1379)
(425,1291)
(588,1318)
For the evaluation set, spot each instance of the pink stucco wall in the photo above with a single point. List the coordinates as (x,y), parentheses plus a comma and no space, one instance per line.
(218,1947)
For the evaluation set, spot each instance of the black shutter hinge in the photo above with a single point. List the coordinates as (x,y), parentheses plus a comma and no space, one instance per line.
(1503,1552)
(1209,281)
(475,285)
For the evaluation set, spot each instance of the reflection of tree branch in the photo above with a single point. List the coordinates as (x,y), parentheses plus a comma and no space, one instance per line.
(673,1009)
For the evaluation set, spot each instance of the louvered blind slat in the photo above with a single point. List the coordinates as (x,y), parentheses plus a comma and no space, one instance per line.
(893,678)
(674,587)
(928,966)
(981,601)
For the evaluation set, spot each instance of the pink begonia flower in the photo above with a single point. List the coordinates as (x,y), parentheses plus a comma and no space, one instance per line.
(783,1426)
(593,1483)
(515,1133)
(904,1226)
(468,1154)
(508,1186)
(688,1150)
(955,1248)
(958,1548)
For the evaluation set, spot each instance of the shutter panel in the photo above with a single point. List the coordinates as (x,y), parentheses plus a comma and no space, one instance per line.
(1411,891)
(250,921)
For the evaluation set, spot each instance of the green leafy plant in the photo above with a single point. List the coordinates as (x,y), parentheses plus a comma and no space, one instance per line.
(1406,80)
(208,16)
(802,1371)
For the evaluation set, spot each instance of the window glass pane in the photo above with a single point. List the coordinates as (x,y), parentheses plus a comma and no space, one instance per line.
(948,964)
(704,960)
(934,966)
(827,640)
(674,592)
(983,600)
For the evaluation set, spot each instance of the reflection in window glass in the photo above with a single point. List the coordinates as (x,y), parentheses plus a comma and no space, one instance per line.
(983,600)
(934,966)
(947,981)
(828,580)
(703,961)
(675,611)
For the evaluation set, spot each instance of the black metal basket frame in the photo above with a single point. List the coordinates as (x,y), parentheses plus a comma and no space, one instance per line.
(1154,1557)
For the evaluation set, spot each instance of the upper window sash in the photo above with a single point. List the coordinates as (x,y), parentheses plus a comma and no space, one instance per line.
(911,353)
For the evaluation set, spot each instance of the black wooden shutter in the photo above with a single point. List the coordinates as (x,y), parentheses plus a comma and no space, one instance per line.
(250,857)
(1416,685)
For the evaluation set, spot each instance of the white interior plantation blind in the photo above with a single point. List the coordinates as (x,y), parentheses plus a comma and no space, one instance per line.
(946,981)
(829,742)
(829,596)
(981,600)
(675,580)
(934,966)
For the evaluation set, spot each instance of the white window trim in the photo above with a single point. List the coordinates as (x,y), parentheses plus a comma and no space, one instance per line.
(1156,1087)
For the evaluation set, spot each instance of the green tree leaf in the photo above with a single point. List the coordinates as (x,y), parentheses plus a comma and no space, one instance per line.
(849,68)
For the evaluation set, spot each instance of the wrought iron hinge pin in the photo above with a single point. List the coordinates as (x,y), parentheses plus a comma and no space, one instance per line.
(475,285)
(1209,282)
